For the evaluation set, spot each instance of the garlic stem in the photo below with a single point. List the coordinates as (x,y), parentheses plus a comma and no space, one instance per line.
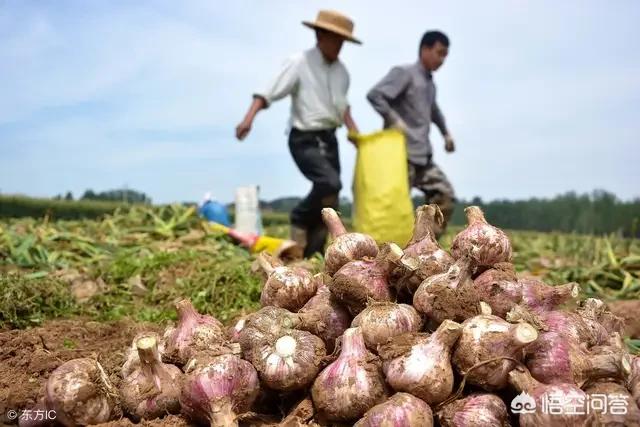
(333,222)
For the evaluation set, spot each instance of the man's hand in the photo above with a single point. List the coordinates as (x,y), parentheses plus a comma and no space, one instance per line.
(400,125)
(352,128)
(352,136)
(449,146)
(242,130)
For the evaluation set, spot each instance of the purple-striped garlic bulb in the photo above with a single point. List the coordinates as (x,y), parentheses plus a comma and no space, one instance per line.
(555,359)
(421,364)
(423,242)
(485,244)
(288,360)
(267,321)
(502,290)
(381,321)
(357,282)
(449,295)
(571,411)
(194,332)
(486,337)
(286,287)
(477,410)
(352,384)
(540,297)
(499,287)
(332,317)
(345,247)
(576,327)
(132,361)
(153,389)
(401,409)
(217,390)
(423,256)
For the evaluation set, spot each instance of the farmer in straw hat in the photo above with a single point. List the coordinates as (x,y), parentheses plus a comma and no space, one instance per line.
(317,82)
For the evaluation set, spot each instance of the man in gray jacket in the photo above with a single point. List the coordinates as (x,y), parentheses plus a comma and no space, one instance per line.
(406,99)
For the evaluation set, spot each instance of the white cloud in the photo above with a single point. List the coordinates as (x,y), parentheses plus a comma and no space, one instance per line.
(541,87)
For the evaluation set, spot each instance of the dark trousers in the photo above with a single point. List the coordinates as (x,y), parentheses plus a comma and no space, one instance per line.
(316,155)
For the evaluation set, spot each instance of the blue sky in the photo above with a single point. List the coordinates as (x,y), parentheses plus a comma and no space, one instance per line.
(542,97)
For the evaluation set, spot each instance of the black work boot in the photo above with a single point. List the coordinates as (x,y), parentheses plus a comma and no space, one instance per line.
(316,240)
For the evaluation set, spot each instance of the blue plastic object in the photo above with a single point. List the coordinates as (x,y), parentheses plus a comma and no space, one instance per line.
(215,212)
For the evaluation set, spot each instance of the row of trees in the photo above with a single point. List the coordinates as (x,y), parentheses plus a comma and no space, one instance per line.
(599,212)
(125,196)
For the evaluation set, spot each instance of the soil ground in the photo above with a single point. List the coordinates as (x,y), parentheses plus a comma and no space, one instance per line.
(28,356)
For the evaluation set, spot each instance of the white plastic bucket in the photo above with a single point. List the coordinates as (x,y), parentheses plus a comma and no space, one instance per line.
(247,210)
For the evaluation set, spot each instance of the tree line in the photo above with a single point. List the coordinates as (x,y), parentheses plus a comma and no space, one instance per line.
(122,195)
(599,212)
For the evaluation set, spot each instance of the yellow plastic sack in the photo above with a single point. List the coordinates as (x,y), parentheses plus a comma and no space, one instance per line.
(382,204)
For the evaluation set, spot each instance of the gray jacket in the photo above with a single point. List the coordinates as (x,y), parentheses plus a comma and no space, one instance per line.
(408,93)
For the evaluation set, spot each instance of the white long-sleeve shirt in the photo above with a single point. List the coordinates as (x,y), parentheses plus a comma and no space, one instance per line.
(318,90)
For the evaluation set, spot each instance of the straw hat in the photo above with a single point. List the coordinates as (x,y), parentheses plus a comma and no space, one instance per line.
(334,22)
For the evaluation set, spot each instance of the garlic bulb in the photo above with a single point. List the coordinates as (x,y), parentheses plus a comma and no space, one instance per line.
(194,332)
(286,287)
(420,364)
(345,247)
(153,389)
(485,244)
(287,361)
(351,385)
(217,390)
(382,321)
(98,402)
(401,409)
